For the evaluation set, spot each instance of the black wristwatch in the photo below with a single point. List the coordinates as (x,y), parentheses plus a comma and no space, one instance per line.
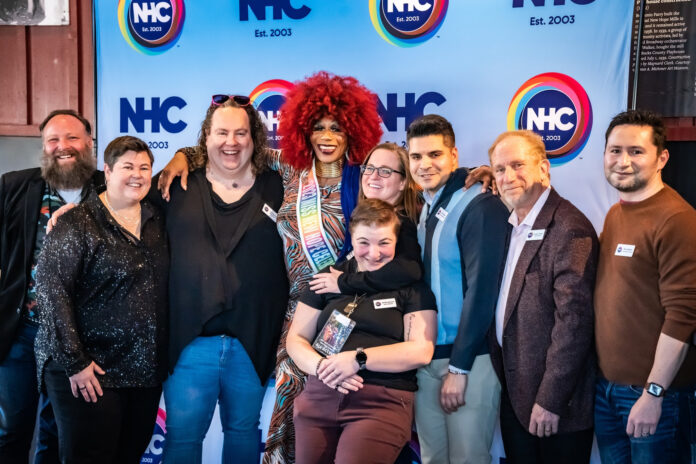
(655,389)
(361,358)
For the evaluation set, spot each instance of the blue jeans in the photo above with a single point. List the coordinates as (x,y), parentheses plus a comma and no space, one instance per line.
(211,370)
(19,398)
(613,403)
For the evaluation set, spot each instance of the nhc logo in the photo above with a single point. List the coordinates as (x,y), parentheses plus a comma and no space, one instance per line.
(520,3)
(151,27)
(556,107)
(153,453)
(412,109)
(279,7)
(407,23)
(158,115)
(267,98)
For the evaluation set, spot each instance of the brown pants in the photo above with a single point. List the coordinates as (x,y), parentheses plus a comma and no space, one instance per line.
(363,427)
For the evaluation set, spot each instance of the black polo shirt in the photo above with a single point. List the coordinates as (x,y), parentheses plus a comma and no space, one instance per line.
(379,321)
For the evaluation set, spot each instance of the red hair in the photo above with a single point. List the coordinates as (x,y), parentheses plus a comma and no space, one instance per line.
(345,100)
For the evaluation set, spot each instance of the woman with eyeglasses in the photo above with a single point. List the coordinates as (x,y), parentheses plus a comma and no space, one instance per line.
(228,287)
(384,176)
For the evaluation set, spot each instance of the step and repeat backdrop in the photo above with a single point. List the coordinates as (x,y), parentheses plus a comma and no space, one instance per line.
(558,67)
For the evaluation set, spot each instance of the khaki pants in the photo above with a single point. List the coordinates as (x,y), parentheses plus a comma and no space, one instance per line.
(466,435)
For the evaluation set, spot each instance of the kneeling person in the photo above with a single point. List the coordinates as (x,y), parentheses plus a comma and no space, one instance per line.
(358,402)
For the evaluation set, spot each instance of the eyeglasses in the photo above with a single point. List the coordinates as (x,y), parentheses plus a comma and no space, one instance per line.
(241,100)
(368,169)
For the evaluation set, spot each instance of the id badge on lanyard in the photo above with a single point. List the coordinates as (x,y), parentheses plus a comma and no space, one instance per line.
(336,330)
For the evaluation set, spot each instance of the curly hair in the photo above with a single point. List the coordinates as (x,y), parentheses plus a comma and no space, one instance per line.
(344,99)
(259,159)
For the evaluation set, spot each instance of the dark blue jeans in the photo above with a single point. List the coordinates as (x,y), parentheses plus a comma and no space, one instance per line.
(19,398)
(669,444)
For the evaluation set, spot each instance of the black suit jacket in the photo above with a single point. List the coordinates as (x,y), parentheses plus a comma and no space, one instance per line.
(547,355)
(20,202)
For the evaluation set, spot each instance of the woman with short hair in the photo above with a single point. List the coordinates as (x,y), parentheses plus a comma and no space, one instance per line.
(102,288)
(361,352)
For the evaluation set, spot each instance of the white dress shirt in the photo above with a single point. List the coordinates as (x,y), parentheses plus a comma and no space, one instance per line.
(517,240)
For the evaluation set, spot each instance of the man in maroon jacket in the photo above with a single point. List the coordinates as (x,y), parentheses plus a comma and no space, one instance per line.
(541,345)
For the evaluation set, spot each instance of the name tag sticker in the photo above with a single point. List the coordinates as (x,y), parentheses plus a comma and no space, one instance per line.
(385,303)
(441,214)
(625,250)
(268,211)
(537,234)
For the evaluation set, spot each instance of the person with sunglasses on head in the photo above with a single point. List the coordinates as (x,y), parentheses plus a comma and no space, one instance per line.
(228,287)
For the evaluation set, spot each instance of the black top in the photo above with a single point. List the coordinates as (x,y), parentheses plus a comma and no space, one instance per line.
(375,325)
(241,274)
(227,218)
(405,269)
(20,207)
(103,296)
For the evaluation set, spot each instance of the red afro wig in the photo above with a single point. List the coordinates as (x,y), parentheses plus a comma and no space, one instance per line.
(345,100)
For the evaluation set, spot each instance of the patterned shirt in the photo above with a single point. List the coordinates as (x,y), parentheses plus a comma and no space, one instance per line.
(50,202)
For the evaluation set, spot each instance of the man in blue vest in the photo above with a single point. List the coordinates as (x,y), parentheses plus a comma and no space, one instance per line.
(462,233)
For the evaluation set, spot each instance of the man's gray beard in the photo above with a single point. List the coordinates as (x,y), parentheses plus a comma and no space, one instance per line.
(71,177)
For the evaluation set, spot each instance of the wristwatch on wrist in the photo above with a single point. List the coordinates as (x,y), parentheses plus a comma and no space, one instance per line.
(361,358)
(655,389)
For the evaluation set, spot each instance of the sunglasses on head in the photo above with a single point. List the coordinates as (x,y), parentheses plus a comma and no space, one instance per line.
(241,100)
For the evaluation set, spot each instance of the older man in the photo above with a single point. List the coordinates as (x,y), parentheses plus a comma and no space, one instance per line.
(645,301)
(541,347)
(28,198)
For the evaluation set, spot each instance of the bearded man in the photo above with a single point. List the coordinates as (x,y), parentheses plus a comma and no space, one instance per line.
(28,199)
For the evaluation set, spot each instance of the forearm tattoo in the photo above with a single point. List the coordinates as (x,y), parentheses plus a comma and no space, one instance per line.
(409,322)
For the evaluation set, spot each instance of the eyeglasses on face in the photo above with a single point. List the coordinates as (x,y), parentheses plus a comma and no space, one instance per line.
(219,99)
(368,169)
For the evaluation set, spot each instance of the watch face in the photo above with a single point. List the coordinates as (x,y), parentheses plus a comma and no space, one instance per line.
(654,389)
(361,357)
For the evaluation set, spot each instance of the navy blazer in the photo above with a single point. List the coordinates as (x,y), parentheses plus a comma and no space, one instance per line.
(20,204)
(547,355)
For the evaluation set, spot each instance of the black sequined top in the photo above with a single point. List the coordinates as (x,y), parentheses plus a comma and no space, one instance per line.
(102,295)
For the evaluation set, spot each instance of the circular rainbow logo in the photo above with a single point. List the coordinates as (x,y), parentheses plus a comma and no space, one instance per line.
(407,23)
(267,98)
(153,452)
(557,108)
(151,27)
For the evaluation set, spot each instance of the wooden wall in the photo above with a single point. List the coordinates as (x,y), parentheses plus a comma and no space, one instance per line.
(680,129)
(45,68)
(50,67)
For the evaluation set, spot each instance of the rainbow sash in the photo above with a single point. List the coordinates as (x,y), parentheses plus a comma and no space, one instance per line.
(312,236)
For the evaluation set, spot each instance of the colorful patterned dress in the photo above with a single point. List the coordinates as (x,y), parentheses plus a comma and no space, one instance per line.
(280,443)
